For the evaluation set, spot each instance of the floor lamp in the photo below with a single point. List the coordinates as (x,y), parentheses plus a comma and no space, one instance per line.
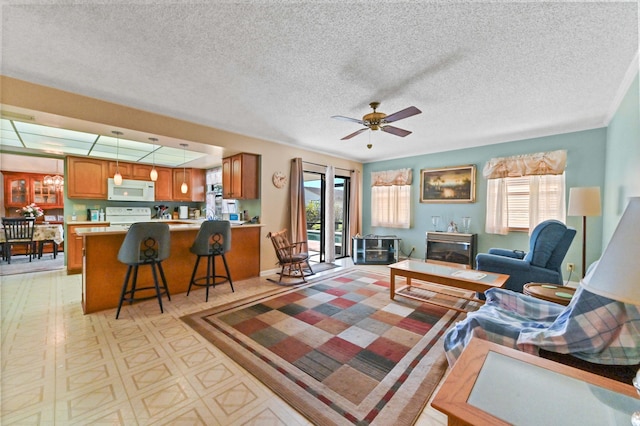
(584,202)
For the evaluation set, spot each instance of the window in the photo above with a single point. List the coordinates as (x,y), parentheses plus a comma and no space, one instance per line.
(534,197)
(391,198)
(525,190)
(391,206)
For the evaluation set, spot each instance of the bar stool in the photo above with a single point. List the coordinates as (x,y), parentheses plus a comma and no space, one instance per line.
(213,239)
(146,243)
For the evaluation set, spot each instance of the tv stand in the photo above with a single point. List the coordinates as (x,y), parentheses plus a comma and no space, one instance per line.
(375,250)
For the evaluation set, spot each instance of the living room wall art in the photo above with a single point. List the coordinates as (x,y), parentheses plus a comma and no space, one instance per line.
(448,185)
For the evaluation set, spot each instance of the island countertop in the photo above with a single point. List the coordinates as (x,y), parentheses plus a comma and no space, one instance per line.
(175,226)
(103,274)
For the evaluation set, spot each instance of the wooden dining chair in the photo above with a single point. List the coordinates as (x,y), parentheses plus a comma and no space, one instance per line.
(18,231)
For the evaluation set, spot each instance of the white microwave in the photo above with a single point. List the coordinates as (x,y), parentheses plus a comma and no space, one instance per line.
(131,190)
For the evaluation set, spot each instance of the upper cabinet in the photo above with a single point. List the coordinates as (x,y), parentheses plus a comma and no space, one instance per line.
(87,178)
(126,169)
(164,183)
(240,176)
(195,180)
(22,189)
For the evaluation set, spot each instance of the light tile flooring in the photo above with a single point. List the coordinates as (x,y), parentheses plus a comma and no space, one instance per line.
(61,367)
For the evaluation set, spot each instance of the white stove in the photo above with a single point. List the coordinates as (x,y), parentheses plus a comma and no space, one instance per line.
(127,215)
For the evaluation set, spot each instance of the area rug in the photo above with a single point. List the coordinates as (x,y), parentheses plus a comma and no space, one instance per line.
(338,350)
(21,265)
(316,268)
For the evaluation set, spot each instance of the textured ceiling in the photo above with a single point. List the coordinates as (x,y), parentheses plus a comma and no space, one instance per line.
(480,72)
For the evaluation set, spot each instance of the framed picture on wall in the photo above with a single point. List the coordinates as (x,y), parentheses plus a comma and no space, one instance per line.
(448,185)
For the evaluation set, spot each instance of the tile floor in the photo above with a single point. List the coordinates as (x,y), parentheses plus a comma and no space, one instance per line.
(61,367)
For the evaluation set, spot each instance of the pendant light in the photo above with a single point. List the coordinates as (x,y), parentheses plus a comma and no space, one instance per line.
(153,175)
(117,177)
(55,181)
(184,188)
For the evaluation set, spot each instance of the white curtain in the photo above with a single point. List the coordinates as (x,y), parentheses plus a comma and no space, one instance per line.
(540,163)
(546,199)
(391,206)
(497,212)
(391,198)
(545,173)
(330,216)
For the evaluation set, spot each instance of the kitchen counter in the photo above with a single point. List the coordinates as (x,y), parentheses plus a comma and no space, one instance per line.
(103,274)
(174,225)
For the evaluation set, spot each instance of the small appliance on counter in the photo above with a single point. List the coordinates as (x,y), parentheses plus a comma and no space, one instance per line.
(162,212)
(93,215)
(183,212)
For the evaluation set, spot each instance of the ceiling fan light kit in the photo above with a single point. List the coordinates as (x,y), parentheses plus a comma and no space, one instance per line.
(378,121)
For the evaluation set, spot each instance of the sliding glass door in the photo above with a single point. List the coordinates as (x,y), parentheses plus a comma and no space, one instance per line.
(315,185)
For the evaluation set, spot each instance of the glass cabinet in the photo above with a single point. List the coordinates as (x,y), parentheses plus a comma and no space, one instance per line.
(45,195)
(22,189)
(17,191)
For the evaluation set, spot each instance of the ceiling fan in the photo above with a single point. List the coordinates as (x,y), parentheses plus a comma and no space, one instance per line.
(377,121)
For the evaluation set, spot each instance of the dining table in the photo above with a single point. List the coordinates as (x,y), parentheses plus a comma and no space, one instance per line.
(42,233)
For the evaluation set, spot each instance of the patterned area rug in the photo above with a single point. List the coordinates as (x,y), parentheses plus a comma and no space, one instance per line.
(337,349)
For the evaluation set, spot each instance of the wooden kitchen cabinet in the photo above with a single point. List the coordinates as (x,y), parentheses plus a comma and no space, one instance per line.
(22,189)
(87,178)
(73,247)
(141,171)
(164,184)
(240,177)
(126,169)
(195,179)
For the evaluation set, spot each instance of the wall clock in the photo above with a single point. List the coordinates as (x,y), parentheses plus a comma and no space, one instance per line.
(279,179)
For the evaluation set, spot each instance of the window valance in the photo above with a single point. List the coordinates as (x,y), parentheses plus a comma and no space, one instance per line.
(541,163)
(391,177)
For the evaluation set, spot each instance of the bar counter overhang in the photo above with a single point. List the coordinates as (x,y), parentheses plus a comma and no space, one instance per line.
(103,274)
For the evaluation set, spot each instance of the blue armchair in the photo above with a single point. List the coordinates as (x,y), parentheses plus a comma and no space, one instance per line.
(548,246)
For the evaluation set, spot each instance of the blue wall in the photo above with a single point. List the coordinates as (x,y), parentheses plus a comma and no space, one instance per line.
(585,167)
(622,178)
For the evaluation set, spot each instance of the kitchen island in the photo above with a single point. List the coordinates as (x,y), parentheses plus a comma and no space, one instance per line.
(103,274)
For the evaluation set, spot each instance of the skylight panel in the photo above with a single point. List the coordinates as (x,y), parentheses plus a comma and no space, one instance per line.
(53,132)
(8,136)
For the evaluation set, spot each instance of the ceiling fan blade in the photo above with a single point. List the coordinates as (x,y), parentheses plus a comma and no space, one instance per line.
(353,120)
(395,131)
(354,134)
(407,112)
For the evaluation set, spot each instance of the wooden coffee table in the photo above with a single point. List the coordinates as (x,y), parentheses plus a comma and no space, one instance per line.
(445,275)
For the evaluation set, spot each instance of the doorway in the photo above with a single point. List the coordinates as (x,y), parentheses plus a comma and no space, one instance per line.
(316,206)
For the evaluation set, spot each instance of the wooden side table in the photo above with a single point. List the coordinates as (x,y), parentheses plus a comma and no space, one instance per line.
(492,385)
(550,292)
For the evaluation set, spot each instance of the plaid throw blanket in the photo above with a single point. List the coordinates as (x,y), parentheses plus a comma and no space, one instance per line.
(593,328)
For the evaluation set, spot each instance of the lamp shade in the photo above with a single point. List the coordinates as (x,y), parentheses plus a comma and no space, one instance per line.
(584,201)
(617,274)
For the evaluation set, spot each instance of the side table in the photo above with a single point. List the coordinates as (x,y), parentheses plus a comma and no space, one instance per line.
(494,385)
(550,292)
